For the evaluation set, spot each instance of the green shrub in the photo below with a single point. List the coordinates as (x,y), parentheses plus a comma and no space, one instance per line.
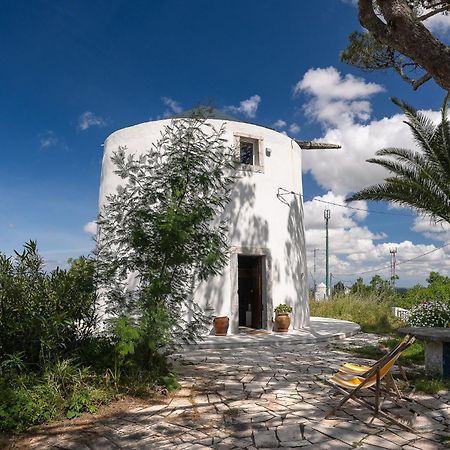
(61,389)
(52,364)
(369,311)
(430,314)
(438,289)
(44,315)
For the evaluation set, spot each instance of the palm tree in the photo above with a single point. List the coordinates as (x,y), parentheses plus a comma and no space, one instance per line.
(419,179)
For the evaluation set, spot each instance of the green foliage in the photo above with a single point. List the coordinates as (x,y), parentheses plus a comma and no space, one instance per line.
(44,315)
(430,314)
(52,364)
(438,289)
(164,225)
(339,288)
(283,309)
(367,53)
(415,354)
(59,388)
(371,311)
(387,43)
(378,287)
(431,385)
(170,382)
(420,179)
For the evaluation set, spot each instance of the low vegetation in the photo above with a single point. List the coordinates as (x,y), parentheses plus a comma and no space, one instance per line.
(370,305)
(53,363)
(371,312)
(411,356)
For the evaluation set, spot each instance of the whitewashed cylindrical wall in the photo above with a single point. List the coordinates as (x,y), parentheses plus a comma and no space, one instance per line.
(260,224)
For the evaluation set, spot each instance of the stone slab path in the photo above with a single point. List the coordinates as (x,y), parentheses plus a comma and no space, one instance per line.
(260,398)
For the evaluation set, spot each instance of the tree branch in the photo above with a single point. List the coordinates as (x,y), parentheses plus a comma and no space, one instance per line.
(433,13)
(416,84)
(403,32)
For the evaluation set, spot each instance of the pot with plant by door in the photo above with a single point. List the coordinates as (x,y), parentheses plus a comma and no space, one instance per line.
(282,319)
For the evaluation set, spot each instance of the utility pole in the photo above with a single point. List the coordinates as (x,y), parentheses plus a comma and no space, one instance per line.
(331,283)
(326,215)
(393,252)
(315,282)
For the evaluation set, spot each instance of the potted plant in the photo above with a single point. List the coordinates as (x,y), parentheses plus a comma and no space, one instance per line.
(282,319)
(221,325)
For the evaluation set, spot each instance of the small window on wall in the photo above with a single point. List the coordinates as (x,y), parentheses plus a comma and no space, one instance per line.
(249,153)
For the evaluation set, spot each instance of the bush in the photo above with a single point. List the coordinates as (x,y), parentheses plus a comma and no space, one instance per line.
(60,389)
(44,315)
(438,289)
(371,312)
(430,314)
(52,364)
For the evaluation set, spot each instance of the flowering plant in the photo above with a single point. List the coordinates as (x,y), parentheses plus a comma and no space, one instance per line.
(283,309)
(430,314)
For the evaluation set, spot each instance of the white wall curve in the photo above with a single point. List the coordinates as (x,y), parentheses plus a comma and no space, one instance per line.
(260,224)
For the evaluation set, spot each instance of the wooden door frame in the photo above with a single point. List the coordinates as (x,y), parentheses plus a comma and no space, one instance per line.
(266,286)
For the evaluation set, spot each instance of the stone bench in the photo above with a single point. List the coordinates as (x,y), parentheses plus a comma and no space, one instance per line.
(437,348)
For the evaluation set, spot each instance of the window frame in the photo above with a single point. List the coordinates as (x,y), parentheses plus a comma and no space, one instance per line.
(258,152)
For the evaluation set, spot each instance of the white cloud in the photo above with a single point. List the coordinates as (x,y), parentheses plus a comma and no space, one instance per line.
(294,128)
(439,24)
(354,248)
(48,139)
(88,119)
(91,227)
(328,83)
(430,229)
(247,107)
(174,107)
(336,100)
(346,170)
(279,124)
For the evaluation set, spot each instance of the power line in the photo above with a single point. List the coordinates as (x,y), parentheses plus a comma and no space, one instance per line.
(286,192)
(397,264)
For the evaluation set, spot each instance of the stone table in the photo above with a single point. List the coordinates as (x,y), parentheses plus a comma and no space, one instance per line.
(437,348)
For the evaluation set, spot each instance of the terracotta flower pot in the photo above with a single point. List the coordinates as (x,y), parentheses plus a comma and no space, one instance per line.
(221,325)
(282,322)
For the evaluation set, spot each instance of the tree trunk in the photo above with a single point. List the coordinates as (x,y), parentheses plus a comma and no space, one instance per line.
(406,34)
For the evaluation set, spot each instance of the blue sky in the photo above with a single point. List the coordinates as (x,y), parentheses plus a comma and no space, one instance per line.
(73,72)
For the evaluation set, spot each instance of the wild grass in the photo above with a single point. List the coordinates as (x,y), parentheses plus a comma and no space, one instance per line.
(371,311)
(415,354)
(60,389)
(431,385)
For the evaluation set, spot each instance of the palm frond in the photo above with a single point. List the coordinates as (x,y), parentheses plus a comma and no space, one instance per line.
(422,127)
(420,179)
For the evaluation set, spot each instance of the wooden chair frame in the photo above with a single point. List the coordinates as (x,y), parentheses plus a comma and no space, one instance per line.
(371,375)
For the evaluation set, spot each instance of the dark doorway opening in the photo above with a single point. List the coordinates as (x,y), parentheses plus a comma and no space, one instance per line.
(250,291)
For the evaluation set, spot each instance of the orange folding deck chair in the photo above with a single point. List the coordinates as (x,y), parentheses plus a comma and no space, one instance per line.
(352,378)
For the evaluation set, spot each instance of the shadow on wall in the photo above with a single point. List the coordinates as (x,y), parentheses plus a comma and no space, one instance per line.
(246,229)
(295,267)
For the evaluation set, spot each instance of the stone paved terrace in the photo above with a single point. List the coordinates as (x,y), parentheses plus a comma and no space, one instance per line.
(259,397)
(320,329)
